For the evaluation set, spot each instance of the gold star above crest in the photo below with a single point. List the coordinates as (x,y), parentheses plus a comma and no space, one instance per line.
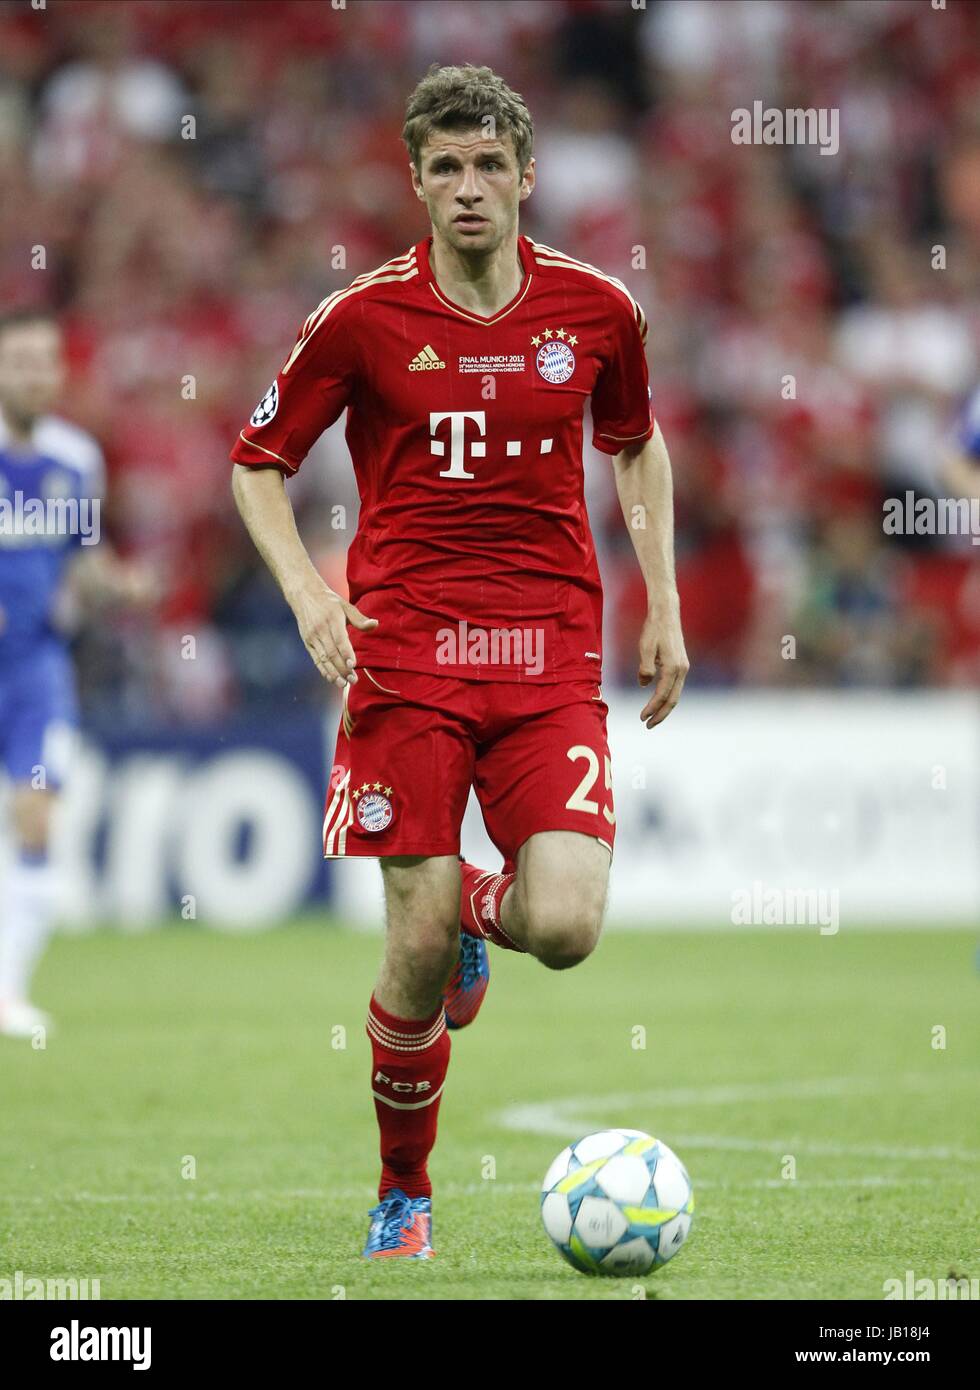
(572,340)
(377,786)
(535,341)
(561,334)
(387,791)
(548,334)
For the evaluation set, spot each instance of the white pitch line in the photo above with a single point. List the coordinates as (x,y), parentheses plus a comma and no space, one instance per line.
(364,1194)
(350,1194)
(578,1115)
(559,1116)
(828,1148)
(874,1181)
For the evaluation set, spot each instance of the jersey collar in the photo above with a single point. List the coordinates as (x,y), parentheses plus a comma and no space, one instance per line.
(427,276)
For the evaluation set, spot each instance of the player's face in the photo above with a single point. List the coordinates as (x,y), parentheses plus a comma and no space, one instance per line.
(472,188)
(32,369)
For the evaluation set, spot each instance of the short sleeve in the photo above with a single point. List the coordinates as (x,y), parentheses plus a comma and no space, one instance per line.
(621,410)
(310,392)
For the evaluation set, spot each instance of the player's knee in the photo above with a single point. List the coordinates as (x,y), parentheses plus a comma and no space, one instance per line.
(426,953)
(560,940)
(563,918)
(438,948)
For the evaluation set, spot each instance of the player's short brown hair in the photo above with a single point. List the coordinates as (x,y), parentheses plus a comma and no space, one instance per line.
(456,97)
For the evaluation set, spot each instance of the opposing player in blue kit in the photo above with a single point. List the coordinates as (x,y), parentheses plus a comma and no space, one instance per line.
(51,482)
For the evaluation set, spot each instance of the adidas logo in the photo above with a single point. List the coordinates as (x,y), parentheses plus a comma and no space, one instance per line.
(426,361)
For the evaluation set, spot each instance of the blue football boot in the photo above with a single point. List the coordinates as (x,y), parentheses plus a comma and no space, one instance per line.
(401,1226)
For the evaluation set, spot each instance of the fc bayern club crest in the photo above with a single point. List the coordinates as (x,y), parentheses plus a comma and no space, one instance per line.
(266,407)
(374,811)
(555,361)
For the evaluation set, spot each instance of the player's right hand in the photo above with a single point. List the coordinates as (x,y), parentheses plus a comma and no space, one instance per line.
(322,617)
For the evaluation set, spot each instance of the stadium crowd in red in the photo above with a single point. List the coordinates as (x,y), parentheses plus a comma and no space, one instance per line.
(201,173)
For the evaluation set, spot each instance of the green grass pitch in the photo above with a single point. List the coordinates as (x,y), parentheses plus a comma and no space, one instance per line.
(187,1043)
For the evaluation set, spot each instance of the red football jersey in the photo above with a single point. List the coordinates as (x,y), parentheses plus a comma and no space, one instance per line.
(473,550)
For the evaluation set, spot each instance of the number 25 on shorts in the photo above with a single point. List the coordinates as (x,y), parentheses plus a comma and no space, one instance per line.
(580,799)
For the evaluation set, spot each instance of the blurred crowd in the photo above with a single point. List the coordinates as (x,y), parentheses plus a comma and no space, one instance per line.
(200,173)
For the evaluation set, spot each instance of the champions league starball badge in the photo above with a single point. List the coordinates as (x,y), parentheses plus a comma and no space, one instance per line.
(555,361)
(266,407)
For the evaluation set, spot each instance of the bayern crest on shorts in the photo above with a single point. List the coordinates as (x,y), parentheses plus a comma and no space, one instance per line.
(374,810)
(555,361)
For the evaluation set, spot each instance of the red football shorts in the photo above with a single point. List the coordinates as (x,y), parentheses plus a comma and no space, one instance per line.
(411,745)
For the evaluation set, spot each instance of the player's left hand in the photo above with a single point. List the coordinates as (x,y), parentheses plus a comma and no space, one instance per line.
(662,658)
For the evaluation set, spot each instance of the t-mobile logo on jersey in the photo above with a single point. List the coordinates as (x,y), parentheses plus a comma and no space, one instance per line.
(458,455)
(463,645)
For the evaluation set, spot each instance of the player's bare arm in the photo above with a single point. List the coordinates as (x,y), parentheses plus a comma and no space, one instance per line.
(321,615)
(100,577)
(643,481)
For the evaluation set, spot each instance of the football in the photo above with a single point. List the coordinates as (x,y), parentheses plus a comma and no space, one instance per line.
(617,1202)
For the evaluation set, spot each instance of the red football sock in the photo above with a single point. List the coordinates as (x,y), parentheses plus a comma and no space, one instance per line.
(410,1059)
(481,905)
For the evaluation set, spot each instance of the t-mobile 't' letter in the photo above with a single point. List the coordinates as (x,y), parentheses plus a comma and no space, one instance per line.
(457,440)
